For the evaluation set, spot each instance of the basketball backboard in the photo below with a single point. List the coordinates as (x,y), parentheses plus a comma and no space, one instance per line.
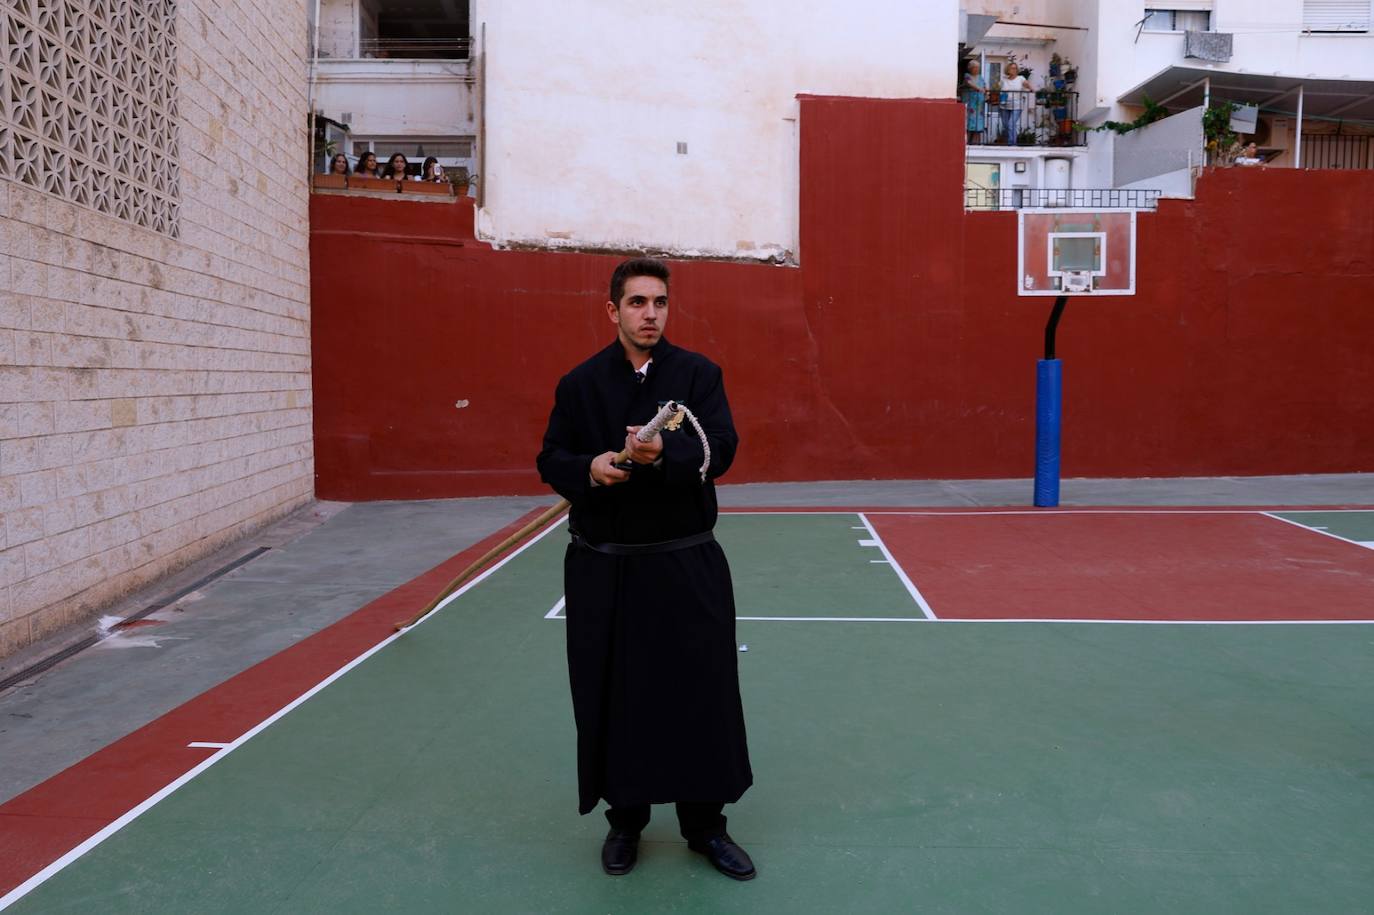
(1075,252)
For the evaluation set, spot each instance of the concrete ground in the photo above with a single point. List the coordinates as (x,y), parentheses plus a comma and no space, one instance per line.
(329,559)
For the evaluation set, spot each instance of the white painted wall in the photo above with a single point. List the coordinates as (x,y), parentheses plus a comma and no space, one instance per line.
(1268,39)
(399,97)
(431,99)
(586,103)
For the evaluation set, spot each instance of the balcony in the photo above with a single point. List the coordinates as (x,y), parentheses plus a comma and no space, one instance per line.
(1043,118)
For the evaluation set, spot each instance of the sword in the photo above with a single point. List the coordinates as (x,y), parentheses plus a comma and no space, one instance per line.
(645,433)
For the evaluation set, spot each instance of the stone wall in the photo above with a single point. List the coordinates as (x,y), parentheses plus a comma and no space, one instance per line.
(155,399)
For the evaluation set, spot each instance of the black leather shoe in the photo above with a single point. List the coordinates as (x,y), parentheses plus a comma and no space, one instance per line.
(619,852)
(726,856)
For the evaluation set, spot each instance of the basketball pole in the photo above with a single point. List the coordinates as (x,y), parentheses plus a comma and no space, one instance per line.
(1049,405)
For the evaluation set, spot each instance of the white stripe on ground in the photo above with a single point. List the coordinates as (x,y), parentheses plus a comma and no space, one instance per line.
(57,866)
(901,573)
(1309,528)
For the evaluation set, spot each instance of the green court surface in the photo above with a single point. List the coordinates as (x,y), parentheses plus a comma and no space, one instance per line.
(901,764)
(1349,525)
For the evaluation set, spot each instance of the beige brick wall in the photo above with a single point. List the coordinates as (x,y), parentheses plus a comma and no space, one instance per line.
(155,392)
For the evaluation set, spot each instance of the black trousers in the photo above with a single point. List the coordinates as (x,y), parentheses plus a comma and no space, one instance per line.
(696,822)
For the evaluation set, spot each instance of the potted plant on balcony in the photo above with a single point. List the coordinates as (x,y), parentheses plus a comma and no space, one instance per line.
(1216,130)
(1026,137)
(461,181)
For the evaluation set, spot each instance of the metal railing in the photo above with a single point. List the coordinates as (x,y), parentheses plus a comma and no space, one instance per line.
(1044,118)
(1017,198)
(415,48)
(1335,151)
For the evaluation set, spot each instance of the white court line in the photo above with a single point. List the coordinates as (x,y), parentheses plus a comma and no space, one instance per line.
(835,619)
(901,573)
(1314,530)
(880,562)
(868,543)
(556,612)
(1077,622)
(207,745)
(948,619)
(57,866)
(1049,512)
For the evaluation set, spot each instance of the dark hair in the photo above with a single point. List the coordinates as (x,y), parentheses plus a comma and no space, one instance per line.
(390,170)
(424,169)
(362,157)
(336,157)
(636,266)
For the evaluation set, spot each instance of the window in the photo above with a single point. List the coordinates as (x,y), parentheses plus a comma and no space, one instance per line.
(423,29)
(1336,15)
(1176,20)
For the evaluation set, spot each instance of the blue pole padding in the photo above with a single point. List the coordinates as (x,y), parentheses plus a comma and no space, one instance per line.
(1049,404)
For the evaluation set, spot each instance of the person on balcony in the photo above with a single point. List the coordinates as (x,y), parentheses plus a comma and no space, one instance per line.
(973,101)
(396,167)
(367,166)
(432,171)
(339,165)
(1013,82)
(1249,155)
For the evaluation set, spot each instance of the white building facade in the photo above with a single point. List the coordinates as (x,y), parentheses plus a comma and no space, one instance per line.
(1305,66)
(673,127)
(401,76)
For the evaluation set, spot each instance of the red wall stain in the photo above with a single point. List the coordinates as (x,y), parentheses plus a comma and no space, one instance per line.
(899,349)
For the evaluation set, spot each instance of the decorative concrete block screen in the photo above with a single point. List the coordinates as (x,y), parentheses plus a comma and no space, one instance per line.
(88,108)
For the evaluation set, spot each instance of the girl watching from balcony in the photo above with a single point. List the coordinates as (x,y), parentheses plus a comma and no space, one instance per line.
(432,171)
(338,165)
(396,167)
(367,165)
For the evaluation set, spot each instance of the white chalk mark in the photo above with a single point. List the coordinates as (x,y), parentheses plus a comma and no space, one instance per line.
(557,611)
(868,543)
(207,745)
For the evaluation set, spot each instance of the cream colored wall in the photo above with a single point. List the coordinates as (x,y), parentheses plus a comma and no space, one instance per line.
(155,398)
(586,103)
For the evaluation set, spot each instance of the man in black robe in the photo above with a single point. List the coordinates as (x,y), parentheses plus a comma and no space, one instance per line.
(650,606)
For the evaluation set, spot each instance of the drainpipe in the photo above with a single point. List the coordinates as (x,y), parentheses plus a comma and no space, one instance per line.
(1206,106)
(1297,154)
(310,88)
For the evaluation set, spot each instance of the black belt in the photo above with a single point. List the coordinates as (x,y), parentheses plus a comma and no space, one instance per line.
(639,549)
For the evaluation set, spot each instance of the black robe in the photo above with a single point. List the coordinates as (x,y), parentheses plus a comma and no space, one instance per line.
(651,638)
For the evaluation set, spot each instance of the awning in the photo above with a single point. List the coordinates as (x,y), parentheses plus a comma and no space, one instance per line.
(1182,87)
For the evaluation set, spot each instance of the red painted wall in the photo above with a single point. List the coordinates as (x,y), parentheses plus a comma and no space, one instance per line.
(899,349)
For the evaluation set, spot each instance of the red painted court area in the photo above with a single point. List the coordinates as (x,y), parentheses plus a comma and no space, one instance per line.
(1175,566)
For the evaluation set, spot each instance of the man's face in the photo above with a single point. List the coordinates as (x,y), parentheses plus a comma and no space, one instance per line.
(641,312)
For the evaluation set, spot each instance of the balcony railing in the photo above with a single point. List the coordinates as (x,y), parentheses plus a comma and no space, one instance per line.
(1016,198)
(416,48)
(1045,118)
